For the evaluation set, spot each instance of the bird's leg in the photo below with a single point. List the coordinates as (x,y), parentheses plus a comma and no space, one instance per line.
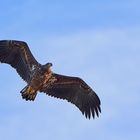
(28,93)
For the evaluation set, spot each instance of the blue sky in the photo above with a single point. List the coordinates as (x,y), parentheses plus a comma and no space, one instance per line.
(95,40)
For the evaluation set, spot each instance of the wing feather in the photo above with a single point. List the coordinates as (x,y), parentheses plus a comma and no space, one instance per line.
(19,56)
(76,91)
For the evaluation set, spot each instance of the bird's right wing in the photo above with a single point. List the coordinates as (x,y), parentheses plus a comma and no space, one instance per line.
(19,56)
(76,91)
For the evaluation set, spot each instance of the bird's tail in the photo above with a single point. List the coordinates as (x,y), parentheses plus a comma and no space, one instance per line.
(28,93)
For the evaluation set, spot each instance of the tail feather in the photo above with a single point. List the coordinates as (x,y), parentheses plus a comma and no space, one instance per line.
(28,93)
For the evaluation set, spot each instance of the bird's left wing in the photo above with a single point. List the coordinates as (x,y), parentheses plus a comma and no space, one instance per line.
(76,91)
(19,56)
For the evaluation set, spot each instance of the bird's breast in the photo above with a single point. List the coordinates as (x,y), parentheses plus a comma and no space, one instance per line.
(39,80)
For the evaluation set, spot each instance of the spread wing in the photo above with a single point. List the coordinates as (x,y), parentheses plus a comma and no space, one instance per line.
(18,55)
(76,91)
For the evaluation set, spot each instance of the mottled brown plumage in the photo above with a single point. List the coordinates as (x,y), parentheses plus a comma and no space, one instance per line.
(41,78)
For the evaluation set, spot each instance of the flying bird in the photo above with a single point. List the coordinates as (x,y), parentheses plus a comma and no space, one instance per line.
(41,78)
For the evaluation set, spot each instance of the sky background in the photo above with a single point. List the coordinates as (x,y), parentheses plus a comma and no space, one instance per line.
(98,41)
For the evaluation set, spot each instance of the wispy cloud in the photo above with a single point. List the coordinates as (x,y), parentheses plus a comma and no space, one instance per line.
(108,60)
(96,41)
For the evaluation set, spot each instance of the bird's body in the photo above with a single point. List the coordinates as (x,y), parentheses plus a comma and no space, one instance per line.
(41,78)
(37,81)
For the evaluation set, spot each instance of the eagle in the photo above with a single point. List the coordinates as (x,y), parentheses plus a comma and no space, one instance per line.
(40,78)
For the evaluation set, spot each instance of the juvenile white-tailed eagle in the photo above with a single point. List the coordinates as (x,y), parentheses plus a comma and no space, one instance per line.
(41,78)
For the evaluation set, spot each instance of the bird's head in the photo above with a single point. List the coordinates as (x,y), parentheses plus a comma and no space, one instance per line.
(46,68)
